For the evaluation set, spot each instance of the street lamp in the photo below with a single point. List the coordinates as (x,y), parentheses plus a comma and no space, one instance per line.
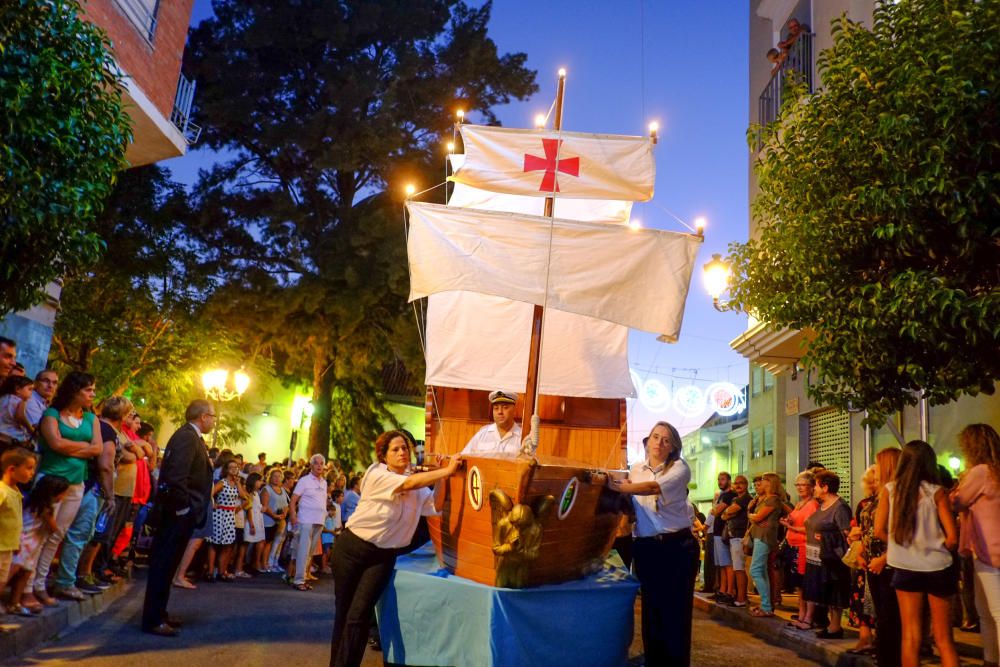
(716,276)
(219,389)
(302,410)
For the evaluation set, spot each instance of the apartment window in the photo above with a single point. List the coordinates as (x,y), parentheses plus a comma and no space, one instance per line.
(756,380)
(756,443)
(142,14)
(768,380)
(769,440)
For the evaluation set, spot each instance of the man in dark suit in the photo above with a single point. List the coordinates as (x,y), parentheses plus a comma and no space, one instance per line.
(182,501)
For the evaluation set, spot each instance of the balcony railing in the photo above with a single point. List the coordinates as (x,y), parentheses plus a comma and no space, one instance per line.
(181,115)
(142,13)
(799,61)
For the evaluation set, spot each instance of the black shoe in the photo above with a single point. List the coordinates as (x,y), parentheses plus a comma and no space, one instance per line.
(89,589)
(826,634)
(175,623)
(162,630)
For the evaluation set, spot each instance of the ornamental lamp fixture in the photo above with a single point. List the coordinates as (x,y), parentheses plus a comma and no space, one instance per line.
(716,276)
(218,387)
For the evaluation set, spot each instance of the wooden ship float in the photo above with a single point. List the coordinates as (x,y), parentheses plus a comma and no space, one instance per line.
(542,516)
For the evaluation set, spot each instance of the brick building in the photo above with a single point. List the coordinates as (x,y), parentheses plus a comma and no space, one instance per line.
(148,38)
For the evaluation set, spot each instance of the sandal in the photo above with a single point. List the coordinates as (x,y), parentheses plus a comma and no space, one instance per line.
(184,583)
(227,577)
(799,625)
(757,612)
(25,611)
(302,587)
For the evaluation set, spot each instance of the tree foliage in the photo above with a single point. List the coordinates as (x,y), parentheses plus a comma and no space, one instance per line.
(136,318)
(63,134)
(878,217)
(321,107)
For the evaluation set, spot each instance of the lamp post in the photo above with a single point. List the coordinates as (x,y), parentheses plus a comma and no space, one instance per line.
(302,409)
(219,389)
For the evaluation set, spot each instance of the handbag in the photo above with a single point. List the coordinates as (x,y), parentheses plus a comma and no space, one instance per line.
(850,559)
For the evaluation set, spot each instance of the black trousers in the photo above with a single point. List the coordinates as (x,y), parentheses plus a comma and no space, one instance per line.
(666,574)
(888,629)
(171,538)
(361,571)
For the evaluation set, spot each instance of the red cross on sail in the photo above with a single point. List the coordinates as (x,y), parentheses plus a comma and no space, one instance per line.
(550,164)
(574,164)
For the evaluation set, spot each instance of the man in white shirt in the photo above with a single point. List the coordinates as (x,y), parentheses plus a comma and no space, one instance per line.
(503,436)
(307,511)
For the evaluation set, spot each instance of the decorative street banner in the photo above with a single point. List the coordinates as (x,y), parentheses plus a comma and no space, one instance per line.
(542,162)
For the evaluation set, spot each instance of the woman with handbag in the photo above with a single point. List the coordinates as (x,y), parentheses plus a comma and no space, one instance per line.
(860,609)
(795,536)
(914,517)
(764,532)
(828,580)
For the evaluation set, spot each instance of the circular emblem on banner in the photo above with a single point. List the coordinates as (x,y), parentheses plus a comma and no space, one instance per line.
(568,498)
(474,482)
(726,399)
(689,401)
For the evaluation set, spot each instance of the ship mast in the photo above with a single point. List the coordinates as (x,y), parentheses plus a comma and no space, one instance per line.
(538,316)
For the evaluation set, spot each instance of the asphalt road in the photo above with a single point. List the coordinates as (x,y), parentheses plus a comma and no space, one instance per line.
(262,622)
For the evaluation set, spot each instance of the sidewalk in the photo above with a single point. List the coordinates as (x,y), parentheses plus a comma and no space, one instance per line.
(19,635)
(829,652)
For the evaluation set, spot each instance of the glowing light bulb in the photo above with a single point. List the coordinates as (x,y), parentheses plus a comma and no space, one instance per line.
(654,127)
(410,189)
(635,224)
(460,114)
(699,224)
(562,72)
(716,276)
(450,146)
(540,121)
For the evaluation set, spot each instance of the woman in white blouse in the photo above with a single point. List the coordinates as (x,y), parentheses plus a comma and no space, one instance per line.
(392,502)
(665,550)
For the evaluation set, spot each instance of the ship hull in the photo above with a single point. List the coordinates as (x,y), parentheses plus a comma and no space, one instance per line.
(574,519)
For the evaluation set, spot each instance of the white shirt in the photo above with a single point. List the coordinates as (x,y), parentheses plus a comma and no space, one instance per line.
(35,407)
(926,551)
(312,499)
(385,518)
(667,511)
(488,441)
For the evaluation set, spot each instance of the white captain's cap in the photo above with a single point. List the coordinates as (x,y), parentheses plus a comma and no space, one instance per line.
(501,396)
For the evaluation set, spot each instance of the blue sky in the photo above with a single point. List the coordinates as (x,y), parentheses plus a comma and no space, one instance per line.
(683,64)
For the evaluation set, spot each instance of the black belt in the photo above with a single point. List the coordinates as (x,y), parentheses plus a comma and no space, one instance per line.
(669,537)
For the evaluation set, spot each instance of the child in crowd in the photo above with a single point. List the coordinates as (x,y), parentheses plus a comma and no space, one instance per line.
(253,531)
(14,425)
(331,527)
(18,468)
(39,522)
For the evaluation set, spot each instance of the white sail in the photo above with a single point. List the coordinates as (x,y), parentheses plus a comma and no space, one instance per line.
(537,163)
(635,278)
(482,342)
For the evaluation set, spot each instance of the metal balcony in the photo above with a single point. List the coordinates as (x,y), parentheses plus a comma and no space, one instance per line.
(799,62)
(181,114)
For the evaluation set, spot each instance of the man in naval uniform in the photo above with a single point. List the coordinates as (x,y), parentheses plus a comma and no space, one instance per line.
(503,436)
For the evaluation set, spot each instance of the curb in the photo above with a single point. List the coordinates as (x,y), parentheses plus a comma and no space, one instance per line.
(825,652)
(21,635)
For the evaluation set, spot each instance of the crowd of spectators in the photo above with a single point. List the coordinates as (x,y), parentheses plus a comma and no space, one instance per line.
(79,477)
(918,555)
